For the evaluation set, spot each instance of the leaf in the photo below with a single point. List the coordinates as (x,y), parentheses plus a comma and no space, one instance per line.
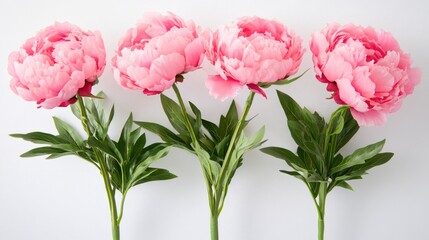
(291,159)
(212,129)
(337,121)
(291,108)
(282,82)
(359,156)
(349,130)
(39,137)
(211,168)
(294,174)
(153,153)
(124,143)
(174,114)
(303,137)
(377,160)
(227,123)
(164,133)
(198,121)
(154,174)
(345,185)
(67,132)
(42,151)
(109,149)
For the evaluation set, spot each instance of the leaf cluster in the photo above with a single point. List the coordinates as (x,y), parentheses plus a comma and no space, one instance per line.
(213,139)
(127,159)
(317,158)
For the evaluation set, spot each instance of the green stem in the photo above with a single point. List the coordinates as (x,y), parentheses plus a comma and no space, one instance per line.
(214,232)
(104,172)
(121,209)
(185,115)
(211,197)
(237,132)
(321,210)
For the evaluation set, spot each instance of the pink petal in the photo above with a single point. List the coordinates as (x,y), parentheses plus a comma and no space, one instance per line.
(222,89)
(349,95)
(194,53)
(168,66)
(336,68)
(414,76)
(382,78)
(369,118)
(362,83)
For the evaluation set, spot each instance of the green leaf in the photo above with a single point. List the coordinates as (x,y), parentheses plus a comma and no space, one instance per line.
(109,149)
(375,161)
(154,152)
(294,174)
(42,151)
(174,114)
(40,137)
(359,156)
(303,137)
(337,121)
(212,129)
(211,168)
(291,108)
(291,159)
(349,130)
(227,123)
(345,185)
(198,121)
(283,82)
(67,132)
(124,143)
(164,133)
(154,174)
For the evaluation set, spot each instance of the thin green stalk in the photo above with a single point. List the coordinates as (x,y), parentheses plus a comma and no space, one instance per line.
(321,210)
(121,208)
(237,132)
(104,172)
(214,231)
(185,115)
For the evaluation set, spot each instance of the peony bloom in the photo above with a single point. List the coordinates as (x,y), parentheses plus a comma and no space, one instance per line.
(364,69)
(250,51)
(152,54)
(60,62)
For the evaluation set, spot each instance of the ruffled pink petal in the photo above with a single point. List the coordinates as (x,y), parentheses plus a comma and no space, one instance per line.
(194,54)
(369,118)
(222,89)
(168,66)
(349,95)
(336,68)
(414,76)
(382,79)
(362,83)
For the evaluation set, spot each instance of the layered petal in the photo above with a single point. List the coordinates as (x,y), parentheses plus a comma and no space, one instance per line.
(155,51)
(252,50)
(364,69)
(58,63)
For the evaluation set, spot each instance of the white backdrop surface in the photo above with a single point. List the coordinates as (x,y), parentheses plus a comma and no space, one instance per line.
(64,199)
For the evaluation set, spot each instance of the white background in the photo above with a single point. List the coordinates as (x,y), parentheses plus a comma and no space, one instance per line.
(64,199)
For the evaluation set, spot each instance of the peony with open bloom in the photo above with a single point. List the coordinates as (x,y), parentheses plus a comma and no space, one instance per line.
(251,51)
(364,69)
(155,51)
(60,62)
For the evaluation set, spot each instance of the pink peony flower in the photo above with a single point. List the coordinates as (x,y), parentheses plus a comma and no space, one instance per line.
(152,54)
(250,51)
(60,62)
(364,69)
